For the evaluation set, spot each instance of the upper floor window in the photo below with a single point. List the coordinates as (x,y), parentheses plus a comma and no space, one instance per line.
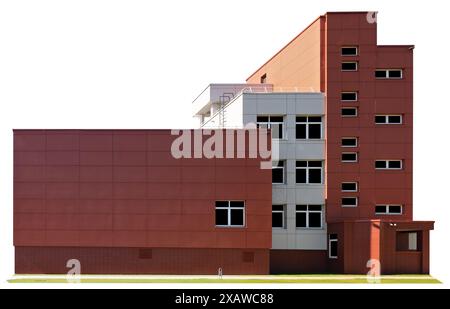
(349,187)
(309,216)
(349,51)
(278,172)
(309,172)
(274,123)
(389,74)
(349,202)
(388,164)
(349,142)
(349,157)
(388,209)
(278,216)
(349,112)
(349,66)
(230,213)
(388,119)
(309,127)
(349,96)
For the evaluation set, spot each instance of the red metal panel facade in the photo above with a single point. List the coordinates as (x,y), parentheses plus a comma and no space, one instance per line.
(123,189)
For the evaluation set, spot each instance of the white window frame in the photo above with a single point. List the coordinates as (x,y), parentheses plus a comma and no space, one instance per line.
(283,212)
(352,92)
(269,124)
(352,138)
(350,161)
(348,182)
(386,120)
(307,168)
(307,127)
(350,206)
(349,116)
(355,62)
(329,246)
(307,212)
(387,165)
(388,213)
(388,73)
(352,55)
(284,172)
(229,208)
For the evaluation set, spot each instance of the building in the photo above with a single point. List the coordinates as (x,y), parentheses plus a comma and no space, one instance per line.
(337,200)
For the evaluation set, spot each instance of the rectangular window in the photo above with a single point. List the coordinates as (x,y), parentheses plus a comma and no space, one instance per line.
(230,213)
(309,172)
(349,142)
(349,96)
(409,241)
(388,164)
(350,66)
(388,119)
(278,172)
(349,112)
(333,246)
(274,123)
(349,202)
(388,209)
(278,216)
(308,127)
(349,51)
(349,187)
(349,157)
(309,216)
(389,73)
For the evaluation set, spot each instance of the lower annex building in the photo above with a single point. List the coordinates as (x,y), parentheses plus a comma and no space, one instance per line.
(337,200)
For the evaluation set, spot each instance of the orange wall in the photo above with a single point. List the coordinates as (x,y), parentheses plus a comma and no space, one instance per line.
(298,64)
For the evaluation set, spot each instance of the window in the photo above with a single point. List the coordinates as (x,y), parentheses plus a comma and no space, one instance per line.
(308,172)
(333,246)
(388,209)
(230,213)
(349,51)
(275,123)
(349,202)
(349,66)
(278,172)
(308,127)
(409,241)
(388,164)
(263,79)
(349,112)
(308,216)
(350,157)
(388,119)
(389,74)
(349,142)
(349,187)
(349,96)
(278,216)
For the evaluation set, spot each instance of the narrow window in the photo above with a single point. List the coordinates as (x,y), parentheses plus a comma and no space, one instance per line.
(349,142)
(274,123)
(349,66)
(388,119)
(309,172)
(349,112)
(389,73)
(333,246)
(349,96)
(349,157)
(388,164)
(230,213)
(278,172)
(349,51)
(349,202)
(263,79)
(349,187)
(308,127)
(309,216)
(278,216)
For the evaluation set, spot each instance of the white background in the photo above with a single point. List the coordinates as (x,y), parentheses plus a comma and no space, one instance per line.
(139,64)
